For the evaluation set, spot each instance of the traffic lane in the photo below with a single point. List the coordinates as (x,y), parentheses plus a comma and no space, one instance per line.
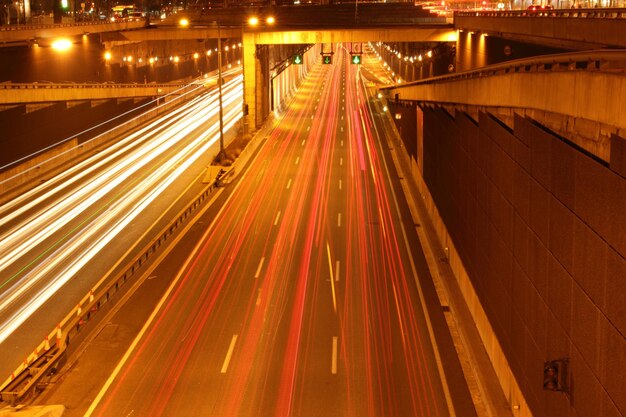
(239,220)
(453,373)
(376,384)
(268,350)
(78,385)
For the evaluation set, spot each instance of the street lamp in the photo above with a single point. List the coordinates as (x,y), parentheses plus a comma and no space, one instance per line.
(219,86)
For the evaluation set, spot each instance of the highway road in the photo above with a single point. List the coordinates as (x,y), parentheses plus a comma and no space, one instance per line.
(62,238)
(304,295)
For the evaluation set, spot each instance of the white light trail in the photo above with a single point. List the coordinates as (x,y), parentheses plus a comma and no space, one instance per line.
(63,262)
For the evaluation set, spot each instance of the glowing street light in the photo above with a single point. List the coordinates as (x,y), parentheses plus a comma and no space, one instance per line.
(270,20)
(61,45)
(183,22)
(253,21)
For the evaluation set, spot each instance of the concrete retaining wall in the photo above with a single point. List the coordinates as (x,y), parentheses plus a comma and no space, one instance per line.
(537,236)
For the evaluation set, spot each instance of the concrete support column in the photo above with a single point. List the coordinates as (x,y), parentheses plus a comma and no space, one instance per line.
(262,83)
(250,65)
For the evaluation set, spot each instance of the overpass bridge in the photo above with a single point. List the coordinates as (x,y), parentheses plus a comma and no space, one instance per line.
(567,93)
(45,34)
(294,25)
(39,93)
(575,29)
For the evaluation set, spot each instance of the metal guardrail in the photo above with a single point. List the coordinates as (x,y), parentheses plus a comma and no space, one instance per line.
(594,13)
(613,61)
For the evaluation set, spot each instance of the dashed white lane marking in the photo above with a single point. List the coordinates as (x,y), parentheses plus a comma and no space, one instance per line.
(339,220)
(258,270)
(297,160)
(333,365)
(340,184)
(229,354)
(289,184)
(277,217)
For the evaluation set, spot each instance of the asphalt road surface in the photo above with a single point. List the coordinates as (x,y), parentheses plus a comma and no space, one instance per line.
(305,295)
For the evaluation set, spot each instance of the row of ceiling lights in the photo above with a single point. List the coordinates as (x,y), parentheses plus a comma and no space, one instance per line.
(175,58)
(411,59)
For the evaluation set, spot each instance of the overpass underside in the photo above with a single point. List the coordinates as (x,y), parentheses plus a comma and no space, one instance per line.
(572,103)
(253,52)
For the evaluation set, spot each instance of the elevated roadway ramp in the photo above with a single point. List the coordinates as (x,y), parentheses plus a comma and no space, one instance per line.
(44,34)
(32,93)
(577,95)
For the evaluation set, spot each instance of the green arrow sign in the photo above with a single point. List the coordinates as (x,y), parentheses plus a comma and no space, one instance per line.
(356,59)
(297,60)
(327,59)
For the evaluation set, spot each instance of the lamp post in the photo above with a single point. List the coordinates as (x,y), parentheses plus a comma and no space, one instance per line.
(219,85)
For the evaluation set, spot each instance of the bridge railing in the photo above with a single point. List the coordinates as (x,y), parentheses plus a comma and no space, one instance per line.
(37,26)
(44,85)
(593,13)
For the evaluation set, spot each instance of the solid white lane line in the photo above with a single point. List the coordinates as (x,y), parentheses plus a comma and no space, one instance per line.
(340,184)
(332,279)
(297,160)
(229,354)
(289,184)
(258,270)
(333,366)
(339,220)
(277,217)
(337,271)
